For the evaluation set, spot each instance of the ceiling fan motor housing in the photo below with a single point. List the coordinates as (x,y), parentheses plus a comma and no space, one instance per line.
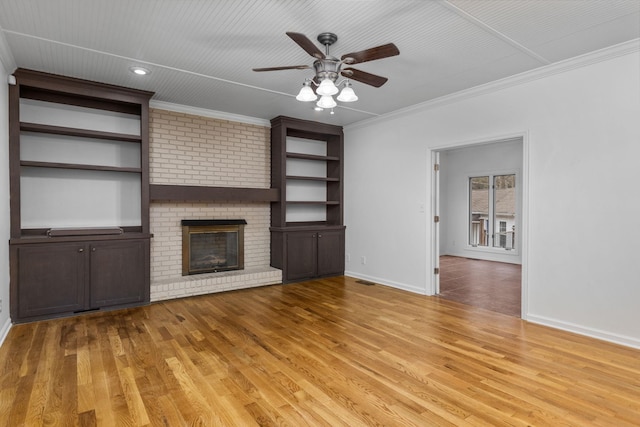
(327,68)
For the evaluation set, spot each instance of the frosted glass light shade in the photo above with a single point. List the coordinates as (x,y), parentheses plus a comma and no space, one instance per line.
(347,95)
(306,94)
(326,101)
(327,87)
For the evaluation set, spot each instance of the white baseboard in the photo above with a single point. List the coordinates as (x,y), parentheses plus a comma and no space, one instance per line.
(4,331)
(397,285)
(541,320)
(581,330)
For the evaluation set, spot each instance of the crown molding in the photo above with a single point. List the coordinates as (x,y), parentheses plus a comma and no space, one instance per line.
(6,57)
(214,114)
(622,49)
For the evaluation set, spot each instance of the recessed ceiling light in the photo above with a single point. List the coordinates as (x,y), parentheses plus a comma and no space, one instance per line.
(141,71)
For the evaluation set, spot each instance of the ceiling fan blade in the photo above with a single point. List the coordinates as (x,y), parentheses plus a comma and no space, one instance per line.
(308,46)
(288,67)
(364,77)
(378,52)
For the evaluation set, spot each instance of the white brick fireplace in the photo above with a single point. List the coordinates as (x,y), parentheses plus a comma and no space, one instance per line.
(192,150)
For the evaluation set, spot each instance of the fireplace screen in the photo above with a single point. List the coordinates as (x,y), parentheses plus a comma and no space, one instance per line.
(212,245)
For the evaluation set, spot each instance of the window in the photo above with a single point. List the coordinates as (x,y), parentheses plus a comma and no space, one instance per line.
(479,202)
(492,211)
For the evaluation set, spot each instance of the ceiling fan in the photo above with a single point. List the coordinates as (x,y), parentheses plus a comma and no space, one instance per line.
(328,68)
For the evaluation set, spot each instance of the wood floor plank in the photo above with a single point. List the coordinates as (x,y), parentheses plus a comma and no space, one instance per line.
(328,352)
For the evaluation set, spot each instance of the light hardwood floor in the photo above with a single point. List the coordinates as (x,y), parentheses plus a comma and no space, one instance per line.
(330,352)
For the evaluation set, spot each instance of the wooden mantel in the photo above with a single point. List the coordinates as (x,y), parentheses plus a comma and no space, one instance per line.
(192,193)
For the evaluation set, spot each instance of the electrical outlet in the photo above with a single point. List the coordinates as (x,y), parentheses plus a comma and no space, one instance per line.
(348,258)
(0,306)
(363,260)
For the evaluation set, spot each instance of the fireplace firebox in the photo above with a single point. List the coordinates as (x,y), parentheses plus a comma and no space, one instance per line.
(212,245)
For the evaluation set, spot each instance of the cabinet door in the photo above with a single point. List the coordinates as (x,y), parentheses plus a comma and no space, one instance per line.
(301,253)
(119,272)
(330,253)
(51,279)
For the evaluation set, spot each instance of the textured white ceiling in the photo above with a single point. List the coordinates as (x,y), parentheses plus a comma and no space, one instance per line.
(201,53)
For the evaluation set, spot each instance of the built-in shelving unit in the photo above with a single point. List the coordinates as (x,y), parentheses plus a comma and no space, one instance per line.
(79,182)
(307,234)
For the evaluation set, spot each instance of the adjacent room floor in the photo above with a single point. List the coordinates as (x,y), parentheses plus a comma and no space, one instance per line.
(495,286)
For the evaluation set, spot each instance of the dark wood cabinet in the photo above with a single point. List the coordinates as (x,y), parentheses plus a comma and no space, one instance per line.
(119,272)
(65,278)
(330,252)
(302,254)
(314,253)
(79,184)
(307,234)
(308,253)
(52,279)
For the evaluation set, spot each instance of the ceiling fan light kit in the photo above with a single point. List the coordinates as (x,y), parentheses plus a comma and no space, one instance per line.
(347,94)
(326,101)
(329,68)
(327,88)
(306,94)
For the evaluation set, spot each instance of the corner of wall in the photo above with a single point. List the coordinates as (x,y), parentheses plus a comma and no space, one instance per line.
(5,320)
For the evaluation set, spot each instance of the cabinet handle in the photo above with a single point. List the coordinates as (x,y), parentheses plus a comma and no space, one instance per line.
(93,249)
(319,235)
(81,250)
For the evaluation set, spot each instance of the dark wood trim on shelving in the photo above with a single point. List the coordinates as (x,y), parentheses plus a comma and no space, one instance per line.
(144,165)
(43,232)
(61,130)
(308,129)
(160,192)
(313,178)
(77,166)
(39,94)
(313,202)
(307,226)
(36,239)
(39,85)
(311,157)
(14,159)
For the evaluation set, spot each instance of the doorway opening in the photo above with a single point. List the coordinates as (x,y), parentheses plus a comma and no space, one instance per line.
(491,285)
(478,239)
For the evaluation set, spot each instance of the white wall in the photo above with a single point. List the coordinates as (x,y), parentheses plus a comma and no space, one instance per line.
(5,321)
(581,151)
(456,166)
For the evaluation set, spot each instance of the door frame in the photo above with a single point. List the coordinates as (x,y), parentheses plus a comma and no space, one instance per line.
(434,156)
